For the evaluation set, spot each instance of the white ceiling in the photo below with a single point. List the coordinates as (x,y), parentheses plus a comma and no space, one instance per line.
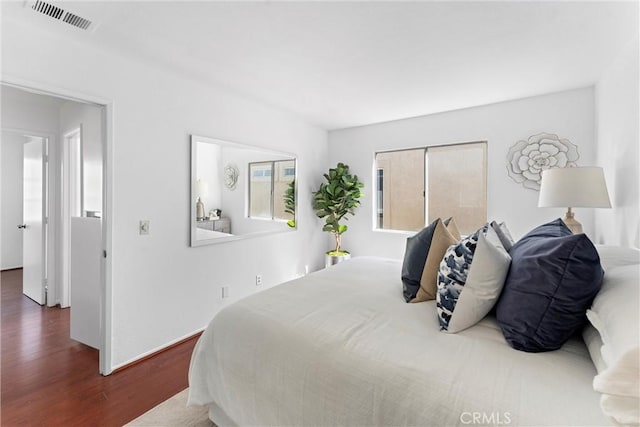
(343,64)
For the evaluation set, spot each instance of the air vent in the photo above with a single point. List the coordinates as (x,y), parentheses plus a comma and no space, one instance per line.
(57,13)
(76,21)
(47,9)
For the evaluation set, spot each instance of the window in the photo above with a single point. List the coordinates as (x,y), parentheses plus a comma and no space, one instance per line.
(416,186)
(261,171)
(260,191)
(268,183)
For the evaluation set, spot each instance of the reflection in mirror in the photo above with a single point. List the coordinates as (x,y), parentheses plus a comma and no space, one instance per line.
(239,191)
(268,183)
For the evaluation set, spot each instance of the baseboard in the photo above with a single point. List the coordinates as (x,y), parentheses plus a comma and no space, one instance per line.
(10,269)
(155,352)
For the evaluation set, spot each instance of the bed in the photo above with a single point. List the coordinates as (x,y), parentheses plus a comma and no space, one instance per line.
(341,347)
(204,234)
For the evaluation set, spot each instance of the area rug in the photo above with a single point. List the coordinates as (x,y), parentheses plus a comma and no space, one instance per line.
(174,412)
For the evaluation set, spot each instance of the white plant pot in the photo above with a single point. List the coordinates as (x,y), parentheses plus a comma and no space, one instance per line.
(330,260)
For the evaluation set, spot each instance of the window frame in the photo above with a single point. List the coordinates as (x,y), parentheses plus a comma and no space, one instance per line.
(376,218)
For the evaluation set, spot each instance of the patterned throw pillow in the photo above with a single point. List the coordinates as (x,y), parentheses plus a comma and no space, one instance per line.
(454,269)
(471,278)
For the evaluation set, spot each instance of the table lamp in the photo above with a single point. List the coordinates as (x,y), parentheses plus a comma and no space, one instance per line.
(573,187)
(202,188)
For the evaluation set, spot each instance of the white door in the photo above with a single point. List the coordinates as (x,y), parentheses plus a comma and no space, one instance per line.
(33,241)
(86,243)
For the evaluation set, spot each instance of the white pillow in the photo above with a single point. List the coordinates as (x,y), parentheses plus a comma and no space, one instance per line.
(592,339)
(619,387)
(614,314)
(622,409)
(503,234)
(484,283)
(622,378)
(616,256)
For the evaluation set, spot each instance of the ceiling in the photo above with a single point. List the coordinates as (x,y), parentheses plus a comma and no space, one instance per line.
(344,64)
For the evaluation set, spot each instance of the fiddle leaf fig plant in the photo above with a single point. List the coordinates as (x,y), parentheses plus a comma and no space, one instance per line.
(336,199)
(290,202)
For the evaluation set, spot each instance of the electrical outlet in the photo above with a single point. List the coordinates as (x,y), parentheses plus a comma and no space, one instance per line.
(225,292)
(258,279)
(144,226)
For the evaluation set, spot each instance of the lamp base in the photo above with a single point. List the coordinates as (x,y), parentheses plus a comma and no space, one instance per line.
(199,210)
(571,223)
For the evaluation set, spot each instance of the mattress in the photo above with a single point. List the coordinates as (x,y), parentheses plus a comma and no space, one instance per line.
(341,347)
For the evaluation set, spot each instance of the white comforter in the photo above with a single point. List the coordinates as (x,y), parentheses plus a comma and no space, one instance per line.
(341,347)
(203,234)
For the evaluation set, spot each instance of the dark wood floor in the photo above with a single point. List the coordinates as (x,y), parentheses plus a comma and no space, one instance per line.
(50,380)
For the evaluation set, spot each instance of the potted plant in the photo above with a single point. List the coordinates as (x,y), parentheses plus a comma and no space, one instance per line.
(337,198)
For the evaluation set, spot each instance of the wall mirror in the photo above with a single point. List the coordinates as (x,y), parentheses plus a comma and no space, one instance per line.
(239,191)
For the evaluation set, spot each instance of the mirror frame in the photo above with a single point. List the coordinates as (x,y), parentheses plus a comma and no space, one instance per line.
(194,242)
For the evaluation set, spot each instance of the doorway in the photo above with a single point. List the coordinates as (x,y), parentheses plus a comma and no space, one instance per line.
(24,209)
(71,134)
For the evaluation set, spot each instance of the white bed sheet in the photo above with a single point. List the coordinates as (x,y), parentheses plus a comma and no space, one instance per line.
(341,347)
(203,234)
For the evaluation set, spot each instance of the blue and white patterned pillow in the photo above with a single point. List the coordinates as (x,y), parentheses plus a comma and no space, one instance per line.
(470,280)
(452,276)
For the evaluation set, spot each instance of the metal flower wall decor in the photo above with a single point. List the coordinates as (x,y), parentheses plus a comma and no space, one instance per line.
(527,159)
(231,174)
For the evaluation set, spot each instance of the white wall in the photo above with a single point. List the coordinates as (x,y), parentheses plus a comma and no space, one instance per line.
(568,114)
(27,111)
(209,169)
(162,289)
(617,115)
(11,162)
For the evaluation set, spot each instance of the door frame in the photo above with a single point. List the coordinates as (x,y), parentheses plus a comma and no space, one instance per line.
(105,350)
(65,211)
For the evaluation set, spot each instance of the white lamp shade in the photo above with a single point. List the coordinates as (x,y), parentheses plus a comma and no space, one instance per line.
(202,186)
(576,187)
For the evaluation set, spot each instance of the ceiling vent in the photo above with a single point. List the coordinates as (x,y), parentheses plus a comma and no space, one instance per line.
(76,21)
(58,13)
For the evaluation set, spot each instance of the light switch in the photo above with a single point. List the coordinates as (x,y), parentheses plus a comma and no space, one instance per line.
(144,226)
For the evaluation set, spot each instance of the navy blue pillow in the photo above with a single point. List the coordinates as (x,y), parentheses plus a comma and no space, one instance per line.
(415,256)
(553,279)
